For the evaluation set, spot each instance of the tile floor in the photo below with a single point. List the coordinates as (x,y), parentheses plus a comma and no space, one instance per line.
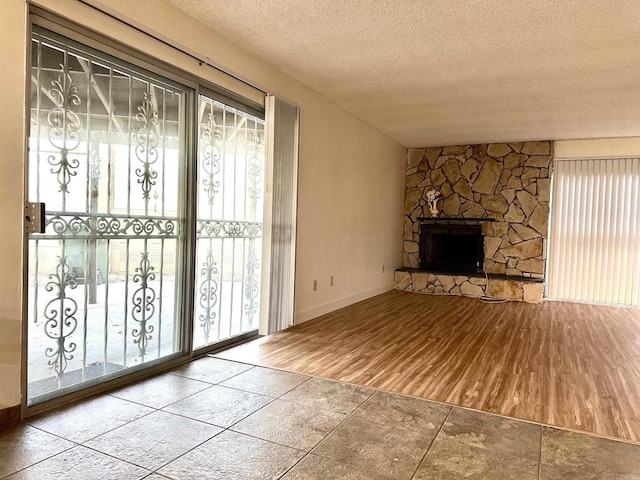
(216,419)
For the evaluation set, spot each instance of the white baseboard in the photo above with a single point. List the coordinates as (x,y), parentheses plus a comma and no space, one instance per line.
(310,313)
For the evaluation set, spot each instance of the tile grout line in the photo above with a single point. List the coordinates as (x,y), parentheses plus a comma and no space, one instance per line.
(566,429)
(306,454)
(272,399)
(43,460)
(155,470)
(154,410)
(152,471)
(117,458)
(169,413)
(53,434)
(210,384)
(374,391)
(214,355)
(103,433)
(540,457)
(112,393)
(77,445)
(165,406)
(327,435)
(262,440)
(251,367)
(432,442)
(247,391)
(265,395)
(228,429)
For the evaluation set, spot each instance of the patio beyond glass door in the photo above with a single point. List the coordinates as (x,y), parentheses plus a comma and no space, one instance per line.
(229,222)
(107,157)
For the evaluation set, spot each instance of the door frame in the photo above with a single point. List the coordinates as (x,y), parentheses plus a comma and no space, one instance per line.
(105,45)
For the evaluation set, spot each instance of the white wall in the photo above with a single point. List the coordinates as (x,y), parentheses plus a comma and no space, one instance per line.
(12,85)
(351,176)
(597,148)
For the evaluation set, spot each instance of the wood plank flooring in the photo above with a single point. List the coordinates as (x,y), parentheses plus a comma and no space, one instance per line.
(571,365)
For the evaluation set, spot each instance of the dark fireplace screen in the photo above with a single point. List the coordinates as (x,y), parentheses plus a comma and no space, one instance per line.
(451,248)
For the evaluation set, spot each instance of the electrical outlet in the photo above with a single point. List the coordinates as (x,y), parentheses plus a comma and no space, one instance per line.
(331,282)
(315,285)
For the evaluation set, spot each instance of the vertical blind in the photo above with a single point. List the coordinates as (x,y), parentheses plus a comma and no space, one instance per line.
(594,249)
(282,124)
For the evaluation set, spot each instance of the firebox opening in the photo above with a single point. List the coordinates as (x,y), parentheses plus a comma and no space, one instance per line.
(451,248)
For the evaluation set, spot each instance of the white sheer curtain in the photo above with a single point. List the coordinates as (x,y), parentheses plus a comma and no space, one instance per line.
(278,276)
(594,244)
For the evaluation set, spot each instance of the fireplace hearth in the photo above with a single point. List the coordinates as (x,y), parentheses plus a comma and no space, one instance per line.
(451,246)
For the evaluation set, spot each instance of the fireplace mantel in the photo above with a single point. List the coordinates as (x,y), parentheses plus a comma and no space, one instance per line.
(446,220)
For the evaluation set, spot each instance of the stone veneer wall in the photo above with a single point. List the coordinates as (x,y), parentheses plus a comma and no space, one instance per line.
(508,182)
(525,290)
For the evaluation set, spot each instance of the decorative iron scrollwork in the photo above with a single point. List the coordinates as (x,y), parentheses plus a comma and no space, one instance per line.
(143,304)
(218,228)
(252,286)
(64,125)
(85,225)
(146,151)
(254,171)
(60,314)
(208,295)
(210,157)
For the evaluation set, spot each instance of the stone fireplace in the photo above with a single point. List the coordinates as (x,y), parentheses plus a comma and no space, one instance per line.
(504,188)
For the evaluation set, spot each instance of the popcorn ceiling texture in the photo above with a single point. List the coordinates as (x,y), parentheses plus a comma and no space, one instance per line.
(507,182)
(449,72)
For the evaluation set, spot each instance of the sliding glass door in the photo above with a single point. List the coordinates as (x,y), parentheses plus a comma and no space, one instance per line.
(229,222)
(110,279)
(594,242)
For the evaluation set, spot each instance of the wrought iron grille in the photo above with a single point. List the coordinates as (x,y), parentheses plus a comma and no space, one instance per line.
(229,225)
(107,153)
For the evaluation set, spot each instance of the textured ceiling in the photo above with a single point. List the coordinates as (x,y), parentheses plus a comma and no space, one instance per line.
(444,72)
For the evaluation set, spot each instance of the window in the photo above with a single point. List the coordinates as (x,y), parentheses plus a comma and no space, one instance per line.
(595,231)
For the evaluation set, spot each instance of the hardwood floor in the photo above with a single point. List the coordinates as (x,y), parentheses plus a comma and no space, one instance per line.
(571,365)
